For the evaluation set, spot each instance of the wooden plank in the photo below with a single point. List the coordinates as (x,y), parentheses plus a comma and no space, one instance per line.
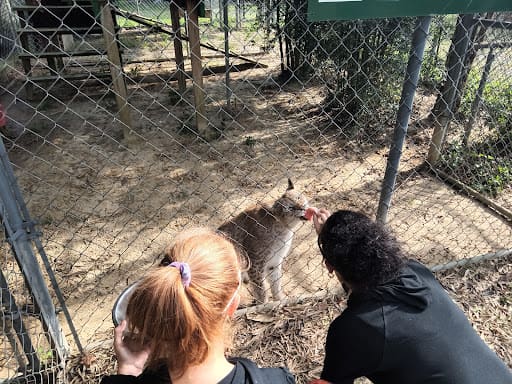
(49,7)
(27,66)
(473,193)
(116,70)
(207,71)
(73,76)
(197,68)
(178,47)
(38,55)
(60,30)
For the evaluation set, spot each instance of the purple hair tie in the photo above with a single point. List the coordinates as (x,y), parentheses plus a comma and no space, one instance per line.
(184,269)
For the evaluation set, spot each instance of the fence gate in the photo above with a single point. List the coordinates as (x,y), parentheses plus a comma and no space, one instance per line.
(35,308)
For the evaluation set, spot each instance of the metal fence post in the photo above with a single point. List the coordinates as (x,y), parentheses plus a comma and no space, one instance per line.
(419,40)
(10,310)
(19,231)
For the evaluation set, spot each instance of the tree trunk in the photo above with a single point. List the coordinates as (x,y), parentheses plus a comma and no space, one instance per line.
(279,32)
(444,101)
(477,36)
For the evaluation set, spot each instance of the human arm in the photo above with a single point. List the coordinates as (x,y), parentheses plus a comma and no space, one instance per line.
(320,216)
(353,348)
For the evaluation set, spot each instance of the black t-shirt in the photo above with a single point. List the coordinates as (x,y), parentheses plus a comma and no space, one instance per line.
(244,372)
(408,331)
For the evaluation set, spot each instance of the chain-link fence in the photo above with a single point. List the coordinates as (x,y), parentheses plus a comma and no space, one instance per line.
(7,29)
(126,124)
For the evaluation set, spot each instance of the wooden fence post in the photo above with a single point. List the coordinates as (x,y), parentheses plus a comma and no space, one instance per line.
(178,46)
(197,67)
(116,69)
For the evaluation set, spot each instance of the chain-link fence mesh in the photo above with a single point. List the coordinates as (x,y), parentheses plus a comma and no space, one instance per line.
(7,29)
(116,148)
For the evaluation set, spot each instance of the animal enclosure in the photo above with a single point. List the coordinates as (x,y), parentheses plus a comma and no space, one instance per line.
(314,102)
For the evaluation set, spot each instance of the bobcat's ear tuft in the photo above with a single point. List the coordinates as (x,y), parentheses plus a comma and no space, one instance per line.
(290,185)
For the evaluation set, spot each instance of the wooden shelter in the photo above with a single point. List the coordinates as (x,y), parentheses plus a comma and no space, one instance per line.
(44,27)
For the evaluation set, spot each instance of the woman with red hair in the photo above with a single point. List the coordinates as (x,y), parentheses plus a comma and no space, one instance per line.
(178,316)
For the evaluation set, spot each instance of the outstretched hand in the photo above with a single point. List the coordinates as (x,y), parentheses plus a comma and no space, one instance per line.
(131,359)
(319,218)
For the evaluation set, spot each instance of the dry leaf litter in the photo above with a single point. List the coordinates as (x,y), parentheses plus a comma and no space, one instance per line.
(293,335)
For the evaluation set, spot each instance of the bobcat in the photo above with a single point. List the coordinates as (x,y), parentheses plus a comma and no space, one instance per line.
(265,232)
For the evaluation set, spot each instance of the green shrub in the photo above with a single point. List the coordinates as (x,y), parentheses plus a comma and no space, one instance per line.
(496,100)
(477,168)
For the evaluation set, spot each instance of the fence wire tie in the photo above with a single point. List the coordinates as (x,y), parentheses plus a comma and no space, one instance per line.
(26,232)
(7,315)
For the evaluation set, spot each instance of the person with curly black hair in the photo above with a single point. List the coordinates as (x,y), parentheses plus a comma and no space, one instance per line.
(400,326)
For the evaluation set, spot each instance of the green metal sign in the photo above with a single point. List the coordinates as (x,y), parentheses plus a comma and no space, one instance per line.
(372,9)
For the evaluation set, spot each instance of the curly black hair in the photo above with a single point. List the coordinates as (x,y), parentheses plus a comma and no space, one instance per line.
(363,251)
